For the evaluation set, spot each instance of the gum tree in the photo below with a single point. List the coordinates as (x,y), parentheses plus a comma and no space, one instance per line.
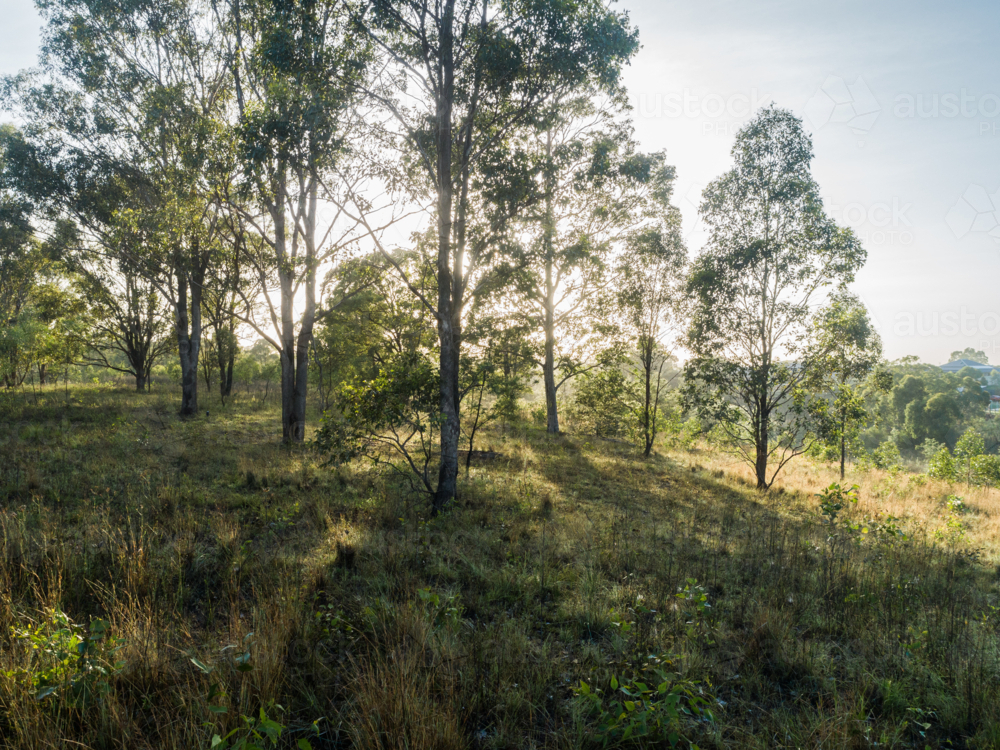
(460,77)
(596,189)
(852,349)
(295,68)
(120,127)
(650,296)
(771,252)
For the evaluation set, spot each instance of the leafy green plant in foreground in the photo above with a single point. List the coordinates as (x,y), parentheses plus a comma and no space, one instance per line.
(67,659)
(832,501)
(660,712)
(262,728)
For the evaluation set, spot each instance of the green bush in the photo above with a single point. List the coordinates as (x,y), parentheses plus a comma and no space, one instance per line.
(968,448)
(887,457)
(942,465)
(605,403)
(67,660)
(635,711)
(986,470)
(539,414)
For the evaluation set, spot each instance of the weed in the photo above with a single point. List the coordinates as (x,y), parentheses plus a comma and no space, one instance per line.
(661,711)
(67,660)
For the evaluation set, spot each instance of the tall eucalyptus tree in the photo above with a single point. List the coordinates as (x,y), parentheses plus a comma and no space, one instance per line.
(772,251)
(294,68)
(120,127)
(458,78)
(596,191)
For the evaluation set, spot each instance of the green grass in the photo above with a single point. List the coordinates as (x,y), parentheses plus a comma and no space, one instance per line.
(375,626)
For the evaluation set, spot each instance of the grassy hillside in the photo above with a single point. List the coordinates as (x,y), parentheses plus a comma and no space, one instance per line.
(236,576)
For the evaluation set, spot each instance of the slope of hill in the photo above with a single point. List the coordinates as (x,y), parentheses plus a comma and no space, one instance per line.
(242,589)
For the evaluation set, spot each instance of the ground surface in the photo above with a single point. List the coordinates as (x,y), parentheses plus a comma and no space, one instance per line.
(234,575)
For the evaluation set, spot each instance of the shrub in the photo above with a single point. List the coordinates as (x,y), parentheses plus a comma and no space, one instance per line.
(832,500)
(605,403)
(930,448)
(67,659)
(887,457)
(942,465)
(953,531)
(968,448)
(637,711)
(986,470)
(539,414)
(390,419)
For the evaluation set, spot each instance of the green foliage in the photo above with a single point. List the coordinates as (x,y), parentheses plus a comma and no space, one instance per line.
(494,372)
(67,660)
(952,532)
(887,457)
(443,612)
(650,297)
(832,501)
(661,710)
(397,410)
(852,349)
(924,404)
(985,470)
(689,433)
(694,597)
(967,450)
(769,409)
(941,465)
(255,731)
(969,463)
(605,402)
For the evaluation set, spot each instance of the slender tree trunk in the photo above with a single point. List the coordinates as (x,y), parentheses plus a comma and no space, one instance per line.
(761,446)
(843,448)
(449,311)
(301,383)
(648,427)
(450,430)
(475,425)
(206,371)
(289,420)
(41,374)
(189,342)
(222,353)
(290,427)
(549,375)
(226,382)
(548,240)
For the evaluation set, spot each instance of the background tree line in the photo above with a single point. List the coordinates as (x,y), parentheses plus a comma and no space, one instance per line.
(419,209)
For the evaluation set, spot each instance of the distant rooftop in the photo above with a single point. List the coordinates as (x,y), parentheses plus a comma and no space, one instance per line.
(960,364)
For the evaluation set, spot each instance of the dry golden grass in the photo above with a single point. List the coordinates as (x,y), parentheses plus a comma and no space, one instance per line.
(908,495)
(367,624)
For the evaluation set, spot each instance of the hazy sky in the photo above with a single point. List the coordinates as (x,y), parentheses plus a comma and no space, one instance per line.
(902,98)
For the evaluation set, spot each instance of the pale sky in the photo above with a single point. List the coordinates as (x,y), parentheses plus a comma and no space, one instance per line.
(902,99)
